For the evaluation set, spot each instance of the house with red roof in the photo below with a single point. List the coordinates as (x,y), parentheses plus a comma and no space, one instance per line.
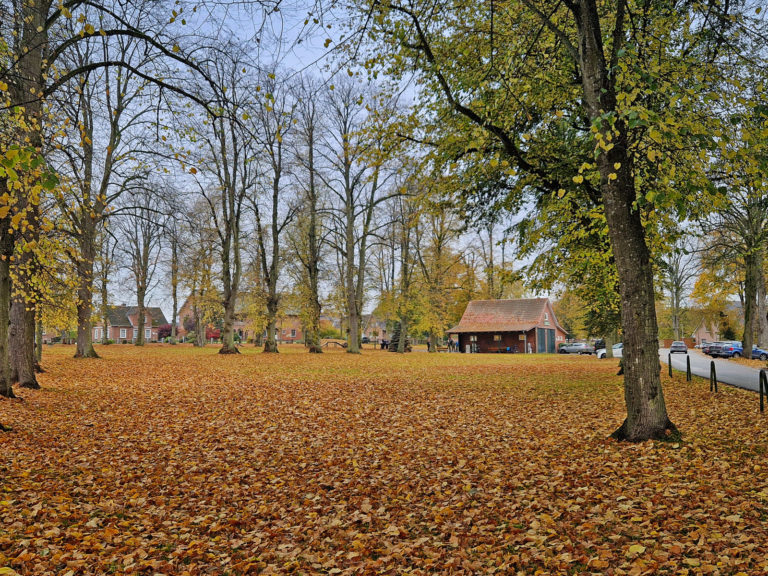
(521,325)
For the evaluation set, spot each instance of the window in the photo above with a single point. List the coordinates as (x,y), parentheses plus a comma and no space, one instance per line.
(293,332)
(135,333)
(123,332)
(497,337)
(95,333)
(546,319)
(148,333)
(473,337)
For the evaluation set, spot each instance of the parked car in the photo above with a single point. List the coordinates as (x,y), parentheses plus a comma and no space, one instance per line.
(365,340)
(712,348)
(759,353)
(618,351)
(678,347)
(599,344)
(577,348)
(730,349)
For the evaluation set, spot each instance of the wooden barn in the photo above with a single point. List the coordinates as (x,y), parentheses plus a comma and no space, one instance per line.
(523,325)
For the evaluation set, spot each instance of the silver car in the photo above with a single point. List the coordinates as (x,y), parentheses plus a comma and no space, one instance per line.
(678,346)
(577,348)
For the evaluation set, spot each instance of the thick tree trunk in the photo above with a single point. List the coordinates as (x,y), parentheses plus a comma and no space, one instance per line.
(751,285)
(22,345)
(646,410)
(228,332)
(762,306)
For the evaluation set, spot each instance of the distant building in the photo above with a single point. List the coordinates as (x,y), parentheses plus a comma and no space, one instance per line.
(520,325)
(374,328)
(706,331)
(123,324)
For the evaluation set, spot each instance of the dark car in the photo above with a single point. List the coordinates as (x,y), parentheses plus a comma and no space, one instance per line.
(365,340)
(678,347)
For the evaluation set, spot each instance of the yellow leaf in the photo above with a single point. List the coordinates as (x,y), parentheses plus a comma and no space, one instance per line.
(578,179)
(636,549)
(9,571)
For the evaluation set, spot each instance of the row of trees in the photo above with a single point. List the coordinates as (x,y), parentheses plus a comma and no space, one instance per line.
(601,125)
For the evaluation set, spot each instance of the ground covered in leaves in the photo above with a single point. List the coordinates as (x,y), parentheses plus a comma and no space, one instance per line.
(170,460)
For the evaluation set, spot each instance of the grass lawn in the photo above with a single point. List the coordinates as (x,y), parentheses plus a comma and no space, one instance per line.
(171,460)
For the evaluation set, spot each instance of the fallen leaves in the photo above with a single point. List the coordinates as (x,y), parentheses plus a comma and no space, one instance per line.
(170,460)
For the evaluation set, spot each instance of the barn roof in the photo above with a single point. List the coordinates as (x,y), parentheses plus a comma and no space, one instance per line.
(518,315)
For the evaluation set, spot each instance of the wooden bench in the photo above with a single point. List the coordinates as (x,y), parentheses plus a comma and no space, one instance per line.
(333,343)
(442,348)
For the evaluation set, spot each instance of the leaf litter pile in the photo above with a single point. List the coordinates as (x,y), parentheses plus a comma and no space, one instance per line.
(171,460)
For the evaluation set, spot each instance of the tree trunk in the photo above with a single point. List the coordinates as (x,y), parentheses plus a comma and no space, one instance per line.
(142,311)
(22,345)
(270,343)
(751,285)
(646,410)
(174,286)
(39,344)
(84,348)
(7,249)
(762,306)
(228,332)
(105,311)
(432,341)
(200,340)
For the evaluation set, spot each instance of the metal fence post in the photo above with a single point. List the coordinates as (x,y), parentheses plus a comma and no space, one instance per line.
(688,376)
(669,363)
(763,386)
(712,377)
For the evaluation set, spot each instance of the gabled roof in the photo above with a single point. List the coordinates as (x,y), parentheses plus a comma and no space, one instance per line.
(518,315)
(119,315)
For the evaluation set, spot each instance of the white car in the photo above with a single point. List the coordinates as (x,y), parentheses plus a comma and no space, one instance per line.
(618,350)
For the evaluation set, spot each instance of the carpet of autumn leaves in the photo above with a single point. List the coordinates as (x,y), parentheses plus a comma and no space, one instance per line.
(171,460)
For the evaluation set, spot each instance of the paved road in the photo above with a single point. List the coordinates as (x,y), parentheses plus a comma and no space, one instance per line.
(727,372)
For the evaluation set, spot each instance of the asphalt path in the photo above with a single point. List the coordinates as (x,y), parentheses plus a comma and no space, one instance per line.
(727,372)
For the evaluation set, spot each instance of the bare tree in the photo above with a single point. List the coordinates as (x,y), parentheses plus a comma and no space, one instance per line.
(272,213)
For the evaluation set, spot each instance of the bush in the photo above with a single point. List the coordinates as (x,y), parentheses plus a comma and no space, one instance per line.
(163,331)
(330,332)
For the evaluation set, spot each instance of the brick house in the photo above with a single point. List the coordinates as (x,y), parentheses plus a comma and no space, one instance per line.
(123,324)
(509,326)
